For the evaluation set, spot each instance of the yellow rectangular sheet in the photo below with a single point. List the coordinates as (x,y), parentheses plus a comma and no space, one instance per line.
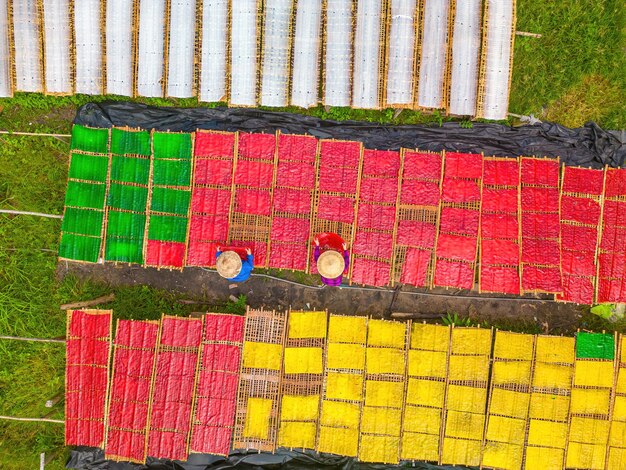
(463,398)
(303,361)
(513,346)
(469,368)
(391,334)
(384,393)
(555,349)
(548,406)
(420,446)
(297,435)
(383,449)
(425,392)
(589,456)
(430,337)
(547,433)
(464,425)
(617,458)
(421,419)
(299,408)
(427,363)
(618,434)
(588,430)
(347,329)
(344,386)
(257,422)
(384,361)
(461,451)
(509,403)
(621,381)
(340,414)
(339,441)
(619,408)
(345,356)
(503,455)
(262,355)
(376,420)
(511,372)
(307,325)
(471,341)
(552,376)
(593,373)
(590,401)
(544,458)
(503,429)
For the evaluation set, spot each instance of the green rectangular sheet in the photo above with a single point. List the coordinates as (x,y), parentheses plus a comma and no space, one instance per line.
(80,247)
(130,169)
(124,142)
(171,145)
(126,224)
(130,198)
(91,140)
(89,167)
(171,172)
(595,346)
(124,250)
(167,228)
(171,201)
(82,221)
(87,195)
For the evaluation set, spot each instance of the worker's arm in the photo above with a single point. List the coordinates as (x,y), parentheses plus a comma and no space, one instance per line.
(316,252)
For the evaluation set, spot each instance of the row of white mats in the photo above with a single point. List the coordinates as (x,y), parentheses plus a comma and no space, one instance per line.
(452,54)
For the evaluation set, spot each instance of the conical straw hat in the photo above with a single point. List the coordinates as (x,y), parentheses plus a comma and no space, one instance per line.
(228,264)
(331,264)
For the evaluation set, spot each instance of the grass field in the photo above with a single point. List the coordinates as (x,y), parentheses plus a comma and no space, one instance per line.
(574,73)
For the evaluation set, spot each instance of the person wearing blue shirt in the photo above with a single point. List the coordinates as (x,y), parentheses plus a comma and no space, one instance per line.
(246,268)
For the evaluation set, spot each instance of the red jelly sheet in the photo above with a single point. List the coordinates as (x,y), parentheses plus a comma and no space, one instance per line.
(499,251)
(208,227)
(338,153)
(201,253)
(381,163)
(373,244)
(499,226)
(257,146)
(581,263)
(376,217)
(503,279)
(290,230)
(259,250)
(500,172)
(611,290)
(415,268)
(254,173)
(210,201)
(338,180)
(297,148)
(582,180)
(336,208)
(214,144)
(456,247)
(287,255)
(578,209)
(541,279)
(86,383)
(577,289)
(460,190)
(540,200)
(165,254)
(460,221)
(418,234)
(615,182)
(292,201)
(253,201)
(419,193)
(217,384)
(499,200)
(173,389)
(130,391)
(540,225)
(540,172)
(457,274)
(295,175)
(209,171)
(422,165)
(370,272)
(463,165)
(381,190)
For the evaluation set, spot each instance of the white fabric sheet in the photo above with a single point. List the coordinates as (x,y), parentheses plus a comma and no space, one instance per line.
(338,60)
(434,52)
(465,52)
(306,54)
(88,43)
(367,55)
(56,20)
(181,56)
(244,52)
(26,40)
(500,27)
(213,54)
(150,48)
(401,60)
(119,47)
(276,42)
(5,54)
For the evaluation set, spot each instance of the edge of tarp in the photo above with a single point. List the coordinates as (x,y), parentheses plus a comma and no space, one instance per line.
(587,146)
(91,458)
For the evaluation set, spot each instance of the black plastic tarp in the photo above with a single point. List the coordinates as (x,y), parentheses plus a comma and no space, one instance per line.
(89,458)
(588,146)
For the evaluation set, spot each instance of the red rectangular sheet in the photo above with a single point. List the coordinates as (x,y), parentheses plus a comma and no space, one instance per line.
(290,230)
(463,165)
(295,174)
(214,416)
(254,173)
(172,396)
(217,172)
(297,148)
(214,144)
(384,163)
(415,268)
(582,180)
(292,201)
(253,201)
(257,146)
(133,360)
(504,279)
(540,172)
(289,255)
(577,289)
(376,217)
(422,165)
(337,153)
(338,180)
(615,182)
(336,208)
(457,274)
(86,376)
(165,254)
(371,272)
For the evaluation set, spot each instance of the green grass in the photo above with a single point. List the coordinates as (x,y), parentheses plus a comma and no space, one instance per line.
(576,72)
